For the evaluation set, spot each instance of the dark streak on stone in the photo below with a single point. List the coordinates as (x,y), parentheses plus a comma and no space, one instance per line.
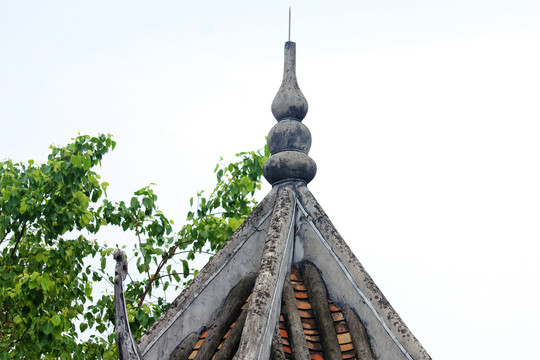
(319,302)
(358,335)
(289,310)
(230,345)
(227,315)
(184,349)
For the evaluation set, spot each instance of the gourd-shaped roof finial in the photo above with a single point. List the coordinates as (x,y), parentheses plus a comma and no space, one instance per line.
(289,140)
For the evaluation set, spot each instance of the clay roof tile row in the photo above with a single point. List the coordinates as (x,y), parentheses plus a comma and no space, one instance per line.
(309,324)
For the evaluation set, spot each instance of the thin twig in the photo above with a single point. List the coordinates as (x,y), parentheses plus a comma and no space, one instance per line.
(156,275)
(168,275)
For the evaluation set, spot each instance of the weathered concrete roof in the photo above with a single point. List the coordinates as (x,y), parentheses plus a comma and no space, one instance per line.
(285,285)
(288,271)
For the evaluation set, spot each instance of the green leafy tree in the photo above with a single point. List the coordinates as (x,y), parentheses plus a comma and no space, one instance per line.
(50,218)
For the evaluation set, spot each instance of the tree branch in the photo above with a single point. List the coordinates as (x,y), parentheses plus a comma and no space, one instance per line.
(156,274)
(15,341)
(168,275)
(18,239)
(7,312)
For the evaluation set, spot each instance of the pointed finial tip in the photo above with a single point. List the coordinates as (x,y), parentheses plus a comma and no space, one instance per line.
(289,102)
(289,23)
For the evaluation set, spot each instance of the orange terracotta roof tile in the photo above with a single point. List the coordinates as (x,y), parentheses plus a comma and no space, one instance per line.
(346,347)
(285,342)
(298,286)
(198,345)
(311,332)
(296,277)
(307,314)
(303,305)
(344,338)
(338,316)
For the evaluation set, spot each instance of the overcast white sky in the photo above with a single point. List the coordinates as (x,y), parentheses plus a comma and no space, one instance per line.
(424,115)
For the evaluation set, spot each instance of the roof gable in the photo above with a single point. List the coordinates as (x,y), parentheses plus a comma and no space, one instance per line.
(296,290)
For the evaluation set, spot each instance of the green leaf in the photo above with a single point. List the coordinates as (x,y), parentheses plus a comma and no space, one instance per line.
(185,267)
(45,282)
(57,331)
(109,355)
(86,217)
(104,187)
(88,290)
(77,161)
(147,202)
(87,162)
(83,327)
(6,194)
(47,327)
(56,320)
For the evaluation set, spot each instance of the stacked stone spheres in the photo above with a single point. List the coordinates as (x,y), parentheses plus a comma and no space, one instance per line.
(289,140)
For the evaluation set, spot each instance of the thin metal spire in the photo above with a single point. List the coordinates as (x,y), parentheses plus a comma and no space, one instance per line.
(289,23)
